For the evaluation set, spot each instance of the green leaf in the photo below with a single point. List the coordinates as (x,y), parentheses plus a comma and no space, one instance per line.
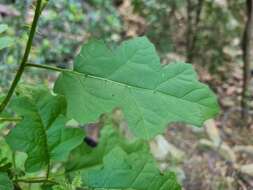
(136,170)
(131,77)
(116,162)
(5,182)
(6,42)
(85,156)
(42,133)
(3,28)
(5,156)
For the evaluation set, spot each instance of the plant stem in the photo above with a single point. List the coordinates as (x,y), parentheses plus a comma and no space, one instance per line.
(48,170)
(35,181)
(10,119)
(47,67)
(25,57)
(14,164)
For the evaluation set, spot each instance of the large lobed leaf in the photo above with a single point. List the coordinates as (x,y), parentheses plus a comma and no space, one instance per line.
(42,133)
(131,77)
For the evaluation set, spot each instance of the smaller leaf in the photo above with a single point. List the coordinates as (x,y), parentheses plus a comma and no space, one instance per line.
(136,170)
(84,156)
(5,153)
(118,164)
(6,42)
(42,133)
(3,28)
(5,182)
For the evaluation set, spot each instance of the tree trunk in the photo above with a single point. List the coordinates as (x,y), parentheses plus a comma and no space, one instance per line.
(189,31)
(247,47)
(193,20)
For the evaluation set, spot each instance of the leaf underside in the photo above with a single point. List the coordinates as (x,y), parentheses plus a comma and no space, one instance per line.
(131,77)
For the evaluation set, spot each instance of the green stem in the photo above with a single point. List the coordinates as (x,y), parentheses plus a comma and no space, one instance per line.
(48,170)
(35,181)
(25,57)
(10,119)
(14,164)
(47,67)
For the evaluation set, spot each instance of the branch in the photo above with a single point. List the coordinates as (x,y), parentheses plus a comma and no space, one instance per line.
(25,57)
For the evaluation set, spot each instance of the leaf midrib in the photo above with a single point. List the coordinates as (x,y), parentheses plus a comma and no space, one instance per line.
(132,86)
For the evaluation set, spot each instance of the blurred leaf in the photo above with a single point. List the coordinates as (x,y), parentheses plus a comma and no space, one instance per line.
(124,160)
(85,156)
(3,28)
(5,152)
(136,170)
(6,42)
(6,167)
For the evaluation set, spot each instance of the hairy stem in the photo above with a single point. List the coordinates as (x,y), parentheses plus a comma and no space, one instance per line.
(25,57)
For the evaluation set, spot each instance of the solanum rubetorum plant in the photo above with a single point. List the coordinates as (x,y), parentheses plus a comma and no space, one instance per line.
(129,77)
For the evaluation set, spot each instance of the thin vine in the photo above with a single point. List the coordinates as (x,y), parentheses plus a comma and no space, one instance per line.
(38,10)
